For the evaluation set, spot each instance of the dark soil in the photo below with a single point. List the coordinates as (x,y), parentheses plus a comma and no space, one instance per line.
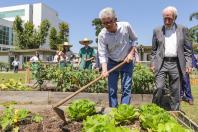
(51,123)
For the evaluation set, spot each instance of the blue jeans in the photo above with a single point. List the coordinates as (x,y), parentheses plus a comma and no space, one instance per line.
(185,91)
(126,81)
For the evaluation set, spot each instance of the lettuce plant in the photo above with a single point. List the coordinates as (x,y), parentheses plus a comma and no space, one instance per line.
(80,109)
(124,113)
(156,119)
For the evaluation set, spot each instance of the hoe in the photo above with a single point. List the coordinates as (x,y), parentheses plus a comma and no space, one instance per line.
(60,112)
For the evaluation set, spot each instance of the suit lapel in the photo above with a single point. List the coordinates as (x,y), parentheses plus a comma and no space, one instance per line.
(177,34)
(163,39)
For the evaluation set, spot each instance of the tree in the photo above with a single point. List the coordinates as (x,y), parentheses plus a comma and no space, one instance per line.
(53,38)
(28,34)
(98,27)
(18,33)
(194,30)
(28,37)
(43,31)
(63,32)
(194,15)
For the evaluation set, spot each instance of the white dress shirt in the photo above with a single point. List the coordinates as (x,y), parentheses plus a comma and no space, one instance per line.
(170,42)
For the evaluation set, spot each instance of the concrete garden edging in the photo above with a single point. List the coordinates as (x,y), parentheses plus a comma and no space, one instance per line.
(48,97)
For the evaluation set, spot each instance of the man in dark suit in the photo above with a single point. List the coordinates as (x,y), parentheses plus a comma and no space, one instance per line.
(171,59)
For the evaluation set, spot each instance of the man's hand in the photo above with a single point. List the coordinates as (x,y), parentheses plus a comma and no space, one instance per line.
(188,70)
(152,68)
(129,58)
(105,74)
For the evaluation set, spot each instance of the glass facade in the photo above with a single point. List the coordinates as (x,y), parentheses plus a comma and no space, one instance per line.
(6,35)
(14,13)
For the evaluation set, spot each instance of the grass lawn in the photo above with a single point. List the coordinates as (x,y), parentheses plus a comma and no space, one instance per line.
(20,76)
(192,110)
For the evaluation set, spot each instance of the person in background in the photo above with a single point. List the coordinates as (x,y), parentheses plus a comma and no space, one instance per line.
(75,62)
(115,45)
(65,55)
(86,54)
(194,62)
(171,59)
(98,66)
(185,92)
(15,64)
(35,58)
(56,57)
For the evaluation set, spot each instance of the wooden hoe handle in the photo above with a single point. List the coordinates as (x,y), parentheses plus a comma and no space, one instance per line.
(84,87)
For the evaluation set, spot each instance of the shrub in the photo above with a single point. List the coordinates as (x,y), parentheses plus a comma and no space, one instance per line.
(143,80)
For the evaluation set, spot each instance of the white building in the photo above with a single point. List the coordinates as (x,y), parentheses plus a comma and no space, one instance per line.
(34,13)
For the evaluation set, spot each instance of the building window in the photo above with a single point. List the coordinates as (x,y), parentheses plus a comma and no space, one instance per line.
(13,13)
(6,35)
(26,59)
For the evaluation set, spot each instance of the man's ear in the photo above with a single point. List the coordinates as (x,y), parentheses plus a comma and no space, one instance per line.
(115,19)
(175,17)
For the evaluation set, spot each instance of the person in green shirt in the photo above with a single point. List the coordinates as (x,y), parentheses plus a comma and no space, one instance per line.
(86,54)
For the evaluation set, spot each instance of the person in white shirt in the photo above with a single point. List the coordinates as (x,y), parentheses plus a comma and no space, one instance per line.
(34,58)
(171,59)
(56,57)
(115,44)
(15,64)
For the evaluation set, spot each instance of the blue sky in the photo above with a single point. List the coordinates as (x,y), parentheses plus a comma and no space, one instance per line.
(143,15)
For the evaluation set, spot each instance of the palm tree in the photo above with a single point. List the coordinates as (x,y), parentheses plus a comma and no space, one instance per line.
(194,30)
(194,15)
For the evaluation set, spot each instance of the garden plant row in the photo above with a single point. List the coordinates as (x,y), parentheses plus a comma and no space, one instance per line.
(69,79)
(125,118)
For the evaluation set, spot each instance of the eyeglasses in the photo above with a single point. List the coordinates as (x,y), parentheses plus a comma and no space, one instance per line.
(108,22)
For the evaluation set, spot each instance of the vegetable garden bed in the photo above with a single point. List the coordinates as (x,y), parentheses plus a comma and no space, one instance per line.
(124,119)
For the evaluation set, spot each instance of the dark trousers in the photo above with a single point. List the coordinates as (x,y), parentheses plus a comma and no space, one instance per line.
(185,91)
(16,68)
(126,82)
(168,83)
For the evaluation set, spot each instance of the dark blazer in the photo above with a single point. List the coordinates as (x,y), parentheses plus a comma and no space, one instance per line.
(184,48)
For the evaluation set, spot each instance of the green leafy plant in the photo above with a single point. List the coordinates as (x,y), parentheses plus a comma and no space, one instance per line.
(11,117)
(157,119)
(39,73)
(102,123)
(80,109)
(171,127)
(37,118)
(143,80)
(98,123)
(11,84)
(124,113)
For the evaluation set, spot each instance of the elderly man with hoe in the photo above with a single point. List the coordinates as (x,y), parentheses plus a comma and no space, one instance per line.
(115,45)
(171,57)
(86,54)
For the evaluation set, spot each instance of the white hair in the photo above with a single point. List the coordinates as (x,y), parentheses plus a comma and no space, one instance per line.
(172,9)
(107,12)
